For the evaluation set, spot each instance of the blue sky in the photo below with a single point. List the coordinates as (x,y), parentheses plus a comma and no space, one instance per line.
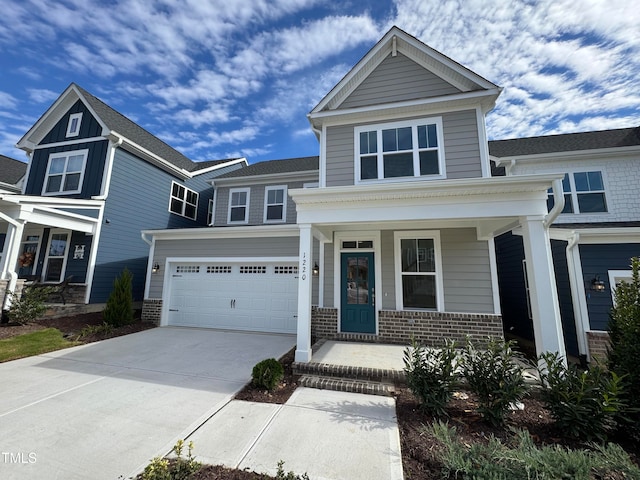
(220,79)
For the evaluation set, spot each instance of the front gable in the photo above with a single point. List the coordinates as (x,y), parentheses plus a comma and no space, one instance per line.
(86,124)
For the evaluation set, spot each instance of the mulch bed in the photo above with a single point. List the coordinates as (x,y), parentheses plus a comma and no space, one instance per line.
(72,325)
(282,392)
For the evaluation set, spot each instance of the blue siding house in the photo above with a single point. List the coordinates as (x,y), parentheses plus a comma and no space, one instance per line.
(93,182)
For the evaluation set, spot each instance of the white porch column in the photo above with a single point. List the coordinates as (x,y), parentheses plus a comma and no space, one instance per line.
(305,273)
(10,258)
(547,324)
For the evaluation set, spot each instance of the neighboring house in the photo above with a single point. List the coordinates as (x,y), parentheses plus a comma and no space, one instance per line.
(592,240)
(391,237)
(11,175)
(94,180)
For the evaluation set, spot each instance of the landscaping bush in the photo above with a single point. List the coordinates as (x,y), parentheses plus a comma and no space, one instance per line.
(431,375)
(584,404)
(281,475)
(179,468)
(495,460)
(267,374)
(624,350)
(30,305)
(495,375)
(119,309)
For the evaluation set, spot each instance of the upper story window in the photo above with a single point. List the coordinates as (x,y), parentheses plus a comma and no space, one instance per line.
(73,127)
(238,205)
(210,212)
(65,172)
(399,150)
(583,193)
(184,201)
(275,204)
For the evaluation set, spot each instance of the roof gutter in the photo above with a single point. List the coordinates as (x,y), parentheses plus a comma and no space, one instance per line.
(558,203)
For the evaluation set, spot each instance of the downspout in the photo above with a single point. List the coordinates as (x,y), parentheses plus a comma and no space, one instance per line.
(558,203)
(578,298)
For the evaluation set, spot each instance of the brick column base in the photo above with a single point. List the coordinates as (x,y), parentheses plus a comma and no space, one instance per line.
(151,310)
(597,343)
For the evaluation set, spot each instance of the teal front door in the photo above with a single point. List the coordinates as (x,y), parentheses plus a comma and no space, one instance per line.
(358,293)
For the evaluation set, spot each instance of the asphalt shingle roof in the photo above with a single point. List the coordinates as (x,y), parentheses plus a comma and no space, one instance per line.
(271,167)
(11,170)
(209,163)
(622,137)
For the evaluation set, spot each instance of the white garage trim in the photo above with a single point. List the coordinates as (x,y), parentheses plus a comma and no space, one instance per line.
(249,313)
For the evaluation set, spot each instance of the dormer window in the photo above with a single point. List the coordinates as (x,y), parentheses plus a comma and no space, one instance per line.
(73,127)
(399,150)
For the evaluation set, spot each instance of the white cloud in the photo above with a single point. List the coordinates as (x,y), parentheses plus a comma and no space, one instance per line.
(8,101)
(42,95)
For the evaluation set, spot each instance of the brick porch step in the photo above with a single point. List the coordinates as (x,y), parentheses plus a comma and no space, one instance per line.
(347,385)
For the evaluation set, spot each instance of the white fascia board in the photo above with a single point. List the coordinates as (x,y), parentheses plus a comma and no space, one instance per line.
(590,236)
(46,201)
(62,220)
(268,178)
(260,231)
(598,153)
(446,103)
(219,166)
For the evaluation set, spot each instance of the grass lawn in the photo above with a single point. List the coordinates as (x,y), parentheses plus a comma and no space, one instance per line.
(34,343)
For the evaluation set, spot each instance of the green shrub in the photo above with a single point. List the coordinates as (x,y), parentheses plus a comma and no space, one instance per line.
(495,375)
(526,461)
(119,309)
(267,374)
(103,329)
(624,350)
(584,404)
(179,468)
(281,475)
(30,305)
(431,375)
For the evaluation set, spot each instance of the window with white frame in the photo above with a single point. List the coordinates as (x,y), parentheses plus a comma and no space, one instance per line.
(584,192)
(65,172)
(238,205)
(399,150)
(184,201)
(275,204)
(210,212)
(73,127)
(418,270)
(616,277)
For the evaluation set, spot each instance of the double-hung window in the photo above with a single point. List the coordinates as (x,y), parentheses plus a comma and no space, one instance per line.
(418,270)
(238,205)
(583,193)
(275,204)
(65,172)
(184,201)
(399,150)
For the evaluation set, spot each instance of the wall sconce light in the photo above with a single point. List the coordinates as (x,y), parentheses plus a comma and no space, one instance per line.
(316,270)
(597,284)
(155,268)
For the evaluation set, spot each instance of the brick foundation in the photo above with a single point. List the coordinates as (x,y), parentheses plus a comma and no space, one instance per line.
(429,328)
(151,310)
(597,343)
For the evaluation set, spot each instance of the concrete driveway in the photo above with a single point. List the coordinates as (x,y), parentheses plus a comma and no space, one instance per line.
(105,409)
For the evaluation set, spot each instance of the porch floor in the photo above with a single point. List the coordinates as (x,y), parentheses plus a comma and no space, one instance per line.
(353,354)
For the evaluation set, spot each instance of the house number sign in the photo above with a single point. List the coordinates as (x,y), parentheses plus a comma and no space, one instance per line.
(304,266)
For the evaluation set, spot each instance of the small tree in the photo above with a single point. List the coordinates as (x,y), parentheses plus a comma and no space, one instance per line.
(28,306)
(623,353)
(119,309)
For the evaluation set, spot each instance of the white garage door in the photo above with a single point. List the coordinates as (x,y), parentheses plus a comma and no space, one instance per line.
(261,297)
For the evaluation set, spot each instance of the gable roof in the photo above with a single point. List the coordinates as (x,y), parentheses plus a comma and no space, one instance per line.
(397,40)
(568,142)
(275,167)
(11,170)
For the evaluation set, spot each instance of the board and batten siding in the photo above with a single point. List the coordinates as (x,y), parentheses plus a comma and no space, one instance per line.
(461,149)
(138,200)
(397,79)
(89,126)
(219,248)
(256,203)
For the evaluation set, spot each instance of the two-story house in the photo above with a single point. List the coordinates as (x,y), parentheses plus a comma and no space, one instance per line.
(94,180)
(592,240)
(392,236)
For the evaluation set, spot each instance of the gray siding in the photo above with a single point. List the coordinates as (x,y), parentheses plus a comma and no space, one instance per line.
(397,79)
(466,272)
(227,247)
(461,145)
(328,275)
(138,200)
(461,149)
(388,271)
(256,204)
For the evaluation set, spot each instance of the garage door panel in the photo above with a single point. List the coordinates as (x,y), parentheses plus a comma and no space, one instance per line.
(257,297)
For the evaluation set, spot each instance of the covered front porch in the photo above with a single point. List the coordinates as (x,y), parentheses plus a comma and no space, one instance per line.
(391,262)
(47,240)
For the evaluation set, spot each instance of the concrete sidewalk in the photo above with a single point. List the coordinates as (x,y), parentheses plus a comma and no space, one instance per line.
(329,435)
